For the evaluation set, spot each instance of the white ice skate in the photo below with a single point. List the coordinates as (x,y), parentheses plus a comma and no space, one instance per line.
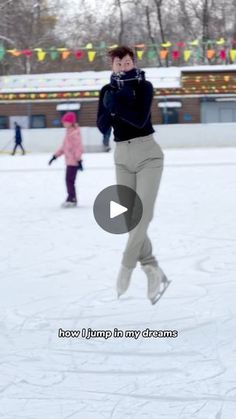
(156,278)
(123,280)
(69,204)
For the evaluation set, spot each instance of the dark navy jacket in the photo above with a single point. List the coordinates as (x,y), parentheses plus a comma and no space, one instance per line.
(127,110)
(18,137)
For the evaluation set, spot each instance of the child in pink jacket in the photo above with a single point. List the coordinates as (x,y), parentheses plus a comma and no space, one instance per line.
(72,148)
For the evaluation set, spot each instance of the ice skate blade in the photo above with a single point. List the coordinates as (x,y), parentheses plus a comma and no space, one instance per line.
(166,284)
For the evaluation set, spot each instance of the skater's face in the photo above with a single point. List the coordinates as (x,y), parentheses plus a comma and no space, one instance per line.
(122,64)
(67,124)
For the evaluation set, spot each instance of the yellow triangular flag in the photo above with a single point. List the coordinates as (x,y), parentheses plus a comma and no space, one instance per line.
(140,54)
(233,54)
(91,56)
(166,44)
(221,41)
(195,43)
(113,46)
(187,54)
(89,46)
(41,55)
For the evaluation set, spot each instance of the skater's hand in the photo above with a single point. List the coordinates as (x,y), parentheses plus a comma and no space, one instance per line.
(51,160)
(122,98)
(80,165)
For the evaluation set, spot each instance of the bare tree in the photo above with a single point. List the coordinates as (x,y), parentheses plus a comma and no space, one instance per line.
(41,23)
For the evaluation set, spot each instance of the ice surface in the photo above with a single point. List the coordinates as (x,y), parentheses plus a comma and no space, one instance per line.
(58,270)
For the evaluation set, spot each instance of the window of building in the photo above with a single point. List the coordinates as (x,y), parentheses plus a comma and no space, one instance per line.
(219,110)
(170,111)
(170,116)
(3,122)
(38,121)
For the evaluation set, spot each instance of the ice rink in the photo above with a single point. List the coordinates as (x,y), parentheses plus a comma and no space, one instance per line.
(58,271)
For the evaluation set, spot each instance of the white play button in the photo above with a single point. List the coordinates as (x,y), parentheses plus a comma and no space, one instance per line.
(116,209)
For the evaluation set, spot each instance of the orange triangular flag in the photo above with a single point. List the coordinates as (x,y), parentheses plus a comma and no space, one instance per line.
(210,53)
(163,54)
(15,52)
(65,54)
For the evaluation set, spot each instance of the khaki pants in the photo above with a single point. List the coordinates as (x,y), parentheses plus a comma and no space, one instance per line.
(139,165)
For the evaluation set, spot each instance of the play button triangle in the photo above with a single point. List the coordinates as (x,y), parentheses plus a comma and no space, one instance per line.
(116,209)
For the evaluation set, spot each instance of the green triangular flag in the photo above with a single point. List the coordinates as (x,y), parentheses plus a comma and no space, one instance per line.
(54,54)
(2,52)
(151,54)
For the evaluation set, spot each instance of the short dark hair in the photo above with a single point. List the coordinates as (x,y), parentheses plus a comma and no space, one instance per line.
(121,52)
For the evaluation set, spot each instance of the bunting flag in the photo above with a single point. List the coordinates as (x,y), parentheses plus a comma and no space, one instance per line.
(233,54)
(27,52)
(187,54)
(164,54)
(65,54)
(180,44)
(140,54)
(210,53)
(223,55)
(176,55)
(91,56)
(41,54)
(152,54)
(79,54)
(195,43)
(2,52)
(166,44)
(113,46)
(219,50)
(54,54)
(14,52)
(140,46)
(221,41)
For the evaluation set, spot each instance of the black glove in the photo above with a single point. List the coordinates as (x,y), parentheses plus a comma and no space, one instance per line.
(80,165)
(114,99)
(51,160)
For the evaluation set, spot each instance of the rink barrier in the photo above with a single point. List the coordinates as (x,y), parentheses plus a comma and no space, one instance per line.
(168,136)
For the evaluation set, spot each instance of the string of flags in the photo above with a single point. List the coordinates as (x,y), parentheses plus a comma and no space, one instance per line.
(212,49)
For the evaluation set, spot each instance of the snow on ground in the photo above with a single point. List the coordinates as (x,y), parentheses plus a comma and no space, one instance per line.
(58,270)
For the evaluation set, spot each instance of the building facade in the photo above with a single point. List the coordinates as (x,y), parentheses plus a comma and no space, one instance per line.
(187,95)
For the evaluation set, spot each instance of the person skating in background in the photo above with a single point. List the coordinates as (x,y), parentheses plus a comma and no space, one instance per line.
(125,104)
(72,148)
(18,139)
(106,139)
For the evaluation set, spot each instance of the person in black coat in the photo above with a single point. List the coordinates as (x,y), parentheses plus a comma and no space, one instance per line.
(125,104)
(18,139)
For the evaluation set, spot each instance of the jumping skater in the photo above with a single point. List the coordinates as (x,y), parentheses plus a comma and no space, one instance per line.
(125,104)
(72,148)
